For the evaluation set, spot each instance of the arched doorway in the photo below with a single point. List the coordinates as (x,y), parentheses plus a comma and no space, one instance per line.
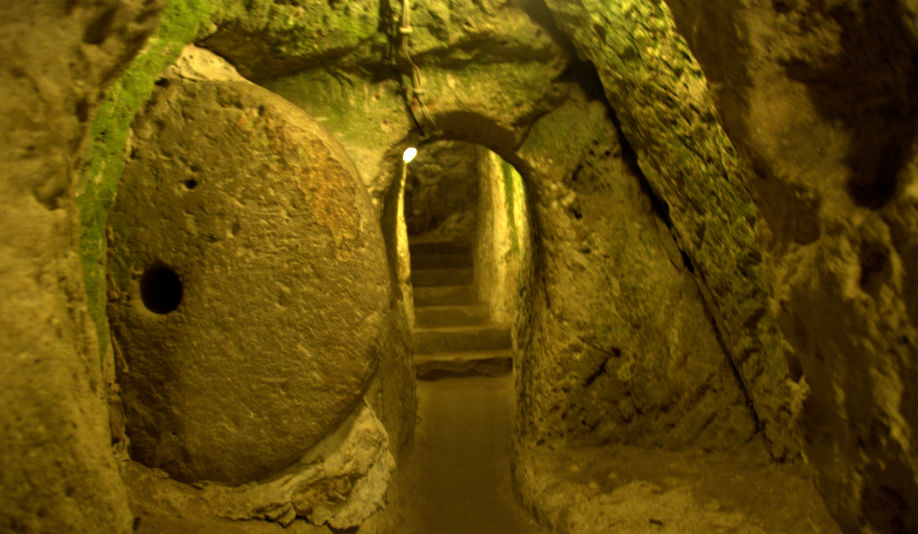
(468,230)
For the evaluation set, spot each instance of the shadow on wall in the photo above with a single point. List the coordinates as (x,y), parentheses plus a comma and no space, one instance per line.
(876,100)
(441,192)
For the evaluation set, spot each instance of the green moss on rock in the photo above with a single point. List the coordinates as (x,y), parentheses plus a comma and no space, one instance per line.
(668,116)
(266,40)
(180,23)
(360,114)
(302,27)
(513,188)
(562,128)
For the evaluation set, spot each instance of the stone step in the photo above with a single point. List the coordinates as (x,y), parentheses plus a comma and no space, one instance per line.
(437,247)
(461,339)
(440,261)
(434,316)
(452,364)
(444,296)
(442,277)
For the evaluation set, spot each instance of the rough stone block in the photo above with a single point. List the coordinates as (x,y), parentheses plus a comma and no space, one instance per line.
(248,282)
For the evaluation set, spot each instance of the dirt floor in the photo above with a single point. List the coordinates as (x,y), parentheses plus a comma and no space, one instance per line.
(634,490)
(456,478)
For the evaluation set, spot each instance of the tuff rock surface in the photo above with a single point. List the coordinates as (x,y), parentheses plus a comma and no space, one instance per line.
(339,482)
(601,362)
(667,114)
(58,472)
(737,188)
(823,100)
(441,185)
(284,294)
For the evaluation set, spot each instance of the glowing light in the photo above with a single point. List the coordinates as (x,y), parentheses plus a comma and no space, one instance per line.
(409,154)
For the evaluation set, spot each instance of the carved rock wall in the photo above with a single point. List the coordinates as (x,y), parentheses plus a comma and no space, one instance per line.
(55,445)
(822,98)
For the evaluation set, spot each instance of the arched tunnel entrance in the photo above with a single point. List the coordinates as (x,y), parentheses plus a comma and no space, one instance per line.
(467,227)
(467,231)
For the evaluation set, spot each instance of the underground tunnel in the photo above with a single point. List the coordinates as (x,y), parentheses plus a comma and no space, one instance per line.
(468,266)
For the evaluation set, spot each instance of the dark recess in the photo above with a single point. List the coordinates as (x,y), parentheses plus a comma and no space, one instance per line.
(160,289)
(872,88)
(99,29)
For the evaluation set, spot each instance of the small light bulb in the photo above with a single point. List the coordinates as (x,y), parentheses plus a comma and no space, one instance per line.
(409,154)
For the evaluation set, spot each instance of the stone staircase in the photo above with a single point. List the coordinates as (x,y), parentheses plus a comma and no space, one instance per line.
(453,335)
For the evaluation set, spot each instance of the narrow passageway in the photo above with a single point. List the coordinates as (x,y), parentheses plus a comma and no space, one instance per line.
(454,334)
(464,229)
(457,477)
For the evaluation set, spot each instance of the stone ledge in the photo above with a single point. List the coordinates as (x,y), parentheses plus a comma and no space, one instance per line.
(631,489)
(455,364)
(340,482)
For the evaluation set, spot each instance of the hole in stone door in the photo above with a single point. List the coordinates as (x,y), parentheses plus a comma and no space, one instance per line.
(160,289)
